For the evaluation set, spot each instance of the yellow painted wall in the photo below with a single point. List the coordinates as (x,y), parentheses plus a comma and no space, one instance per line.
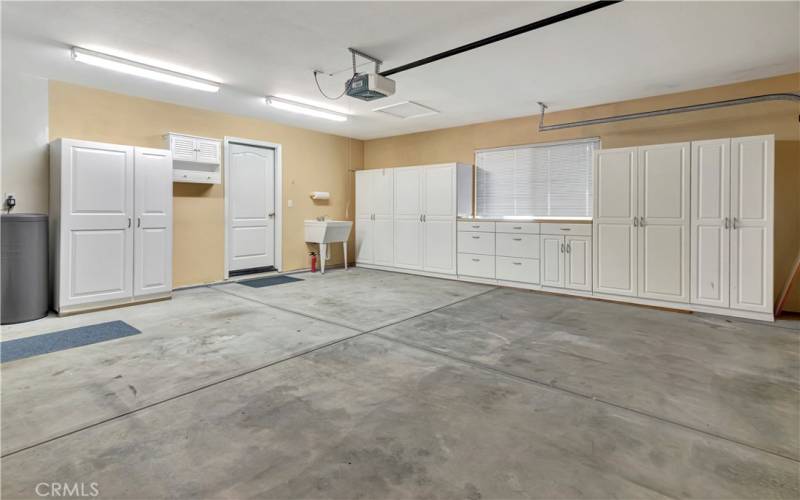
(312,161)
(779,118)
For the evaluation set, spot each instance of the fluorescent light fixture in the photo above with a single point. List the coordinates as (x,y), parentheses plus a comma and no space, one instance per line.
(315,104)
(143,70)
(304,109)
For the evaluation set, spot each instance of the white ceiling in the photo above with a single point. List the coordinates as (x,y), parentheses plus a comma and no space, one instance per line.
(628,50)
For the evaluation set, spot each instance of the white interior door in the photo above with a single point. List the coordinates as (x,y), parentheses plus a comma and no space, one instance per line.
(96,258)
(710,225)
(439,219)
(408,237)
(552,254)
(752,185)
(578,263)
(614,235)
(152,242)
(663,197)
(251,207)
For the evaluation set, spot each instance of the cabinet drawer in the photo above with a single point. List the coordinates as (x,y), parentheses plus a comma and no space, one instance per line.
(517,245)
(483,227)
(567,229)
(517,227)
(513,269)
(474,242)
(479,266)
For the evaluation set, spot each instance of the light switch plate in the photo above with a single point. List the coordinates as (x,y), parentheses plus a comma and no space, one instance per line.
(290,203)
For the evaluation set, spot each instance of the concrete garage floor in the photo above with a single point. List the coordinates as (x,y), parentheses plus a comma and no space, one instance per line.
(367,384)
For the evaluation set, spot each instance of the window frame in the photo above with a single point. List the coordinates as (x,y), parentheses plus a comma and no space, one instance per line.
(594,139)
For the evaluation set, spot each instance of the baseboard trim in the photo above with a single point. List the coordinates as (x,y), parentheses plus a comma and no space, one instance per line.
(663,305)
(111,304)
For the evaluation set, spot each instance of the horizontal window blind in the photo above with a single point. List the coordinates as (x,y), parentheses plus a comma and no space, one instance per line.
(551,180)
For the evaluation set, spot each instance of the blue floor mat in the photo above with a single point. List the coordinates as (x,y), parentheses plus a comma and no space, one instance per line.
(11,350)
(268,281)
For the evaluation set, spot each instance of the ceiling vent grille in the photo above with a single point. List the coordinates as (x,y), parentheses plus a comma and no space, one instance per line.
(406,109)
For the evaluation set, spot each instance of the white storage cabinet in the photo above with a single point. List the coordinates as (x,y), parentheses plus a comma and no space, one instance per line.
(374,217)
(687,225)
(420,205)
(110,223)
(195,159)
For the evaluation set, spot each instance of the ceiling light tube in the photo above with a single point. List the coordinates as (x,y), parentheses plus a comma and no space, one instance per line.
(143,70)
(304,109)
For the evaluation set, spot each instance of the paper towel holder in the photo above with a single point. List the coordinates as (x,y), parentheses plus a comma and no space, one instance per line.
(320,195)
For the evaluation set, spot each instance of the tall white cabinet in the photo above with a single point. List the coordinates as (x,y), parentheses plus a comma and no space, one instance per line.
(641,222)
(406,216)
(110,223)
(687,223)
(732,223)
(374,217)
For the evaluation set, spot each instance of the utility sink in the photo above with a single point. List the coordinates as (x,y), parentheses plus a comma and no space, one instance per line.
(328,231)
(324,232)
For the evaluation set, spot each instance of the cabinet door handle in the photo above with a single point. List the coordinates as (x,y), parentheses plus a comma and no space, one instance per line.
(727,223)
(641,221)
(271,214)
(517,263)
(735,223)
(476,260)
(568,248)
(562,248)
(138,222)
(420,217)
(518,228)
(129,222)
(635,222)
(517,239)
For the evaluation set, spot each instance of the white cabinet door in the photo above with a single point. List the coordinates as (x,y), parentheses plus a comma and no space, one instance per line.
(383,240)
(439,255)
(439,188)
(96,254)
(364,240)
(614,235)
(153,211)
(183,148)
(578,263)
(382,189)
(364,193)
(663,198)
(408,235)
(552,257)
(207,151)
(752,184)
(710,224)
(439,219)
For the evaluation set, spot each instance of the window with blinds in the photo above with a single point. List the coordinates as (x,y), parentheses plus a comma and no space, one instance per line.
(548,180)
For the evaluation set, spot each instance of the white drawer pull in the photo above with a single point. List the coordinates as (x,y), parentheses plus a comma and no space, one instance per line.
(476,260)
